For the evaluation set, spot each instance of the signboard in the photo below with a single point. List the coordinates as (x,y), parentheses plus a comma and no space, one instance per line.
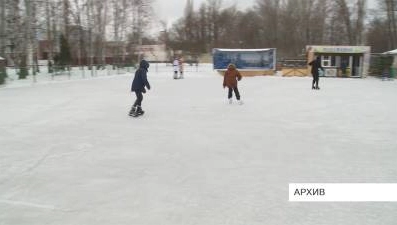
(245,59)
(330,72)
(338,49)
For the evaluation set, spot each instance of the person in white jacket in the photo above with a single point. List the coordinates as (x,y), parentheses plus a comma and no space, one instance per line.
(180,68)
(175,64)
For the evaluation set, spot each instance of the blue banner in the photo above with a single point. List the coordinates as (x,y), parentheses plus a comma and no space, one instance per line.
(256,59)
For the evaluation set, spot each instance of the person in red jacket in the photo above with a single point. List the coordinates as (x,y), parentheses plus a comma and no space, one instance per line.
(232,75)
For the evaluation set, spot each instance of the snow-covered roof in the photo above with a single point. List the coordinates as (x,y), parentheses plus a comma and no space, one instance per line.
(392,52)
(242,50)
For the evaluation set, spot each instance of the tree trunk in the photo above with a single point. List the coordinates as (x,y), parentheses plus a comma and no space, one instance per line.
(391,21)
(2,27)
(49,37)
(361,4)
(344,13)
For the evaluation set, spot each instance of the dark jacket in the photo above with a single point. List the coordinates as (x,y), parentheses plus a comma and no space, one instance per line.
(231,77)
(140,78)
(316,64)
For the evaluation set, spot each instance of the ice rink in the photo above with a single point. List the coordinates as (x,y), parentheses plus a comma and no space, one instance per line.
(70,155)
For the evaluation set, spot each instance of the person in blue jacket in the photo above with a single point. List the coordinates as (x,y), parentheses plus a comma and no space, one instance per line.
(138,86)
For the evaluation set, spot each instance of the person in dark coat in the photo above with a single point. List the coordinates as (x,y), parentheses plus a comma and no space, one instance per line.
(138,86)
(232,75)
(316,65)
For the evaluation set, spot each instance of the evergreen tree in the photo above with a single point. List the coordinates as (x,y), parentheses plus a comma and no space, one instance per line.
(23,67)
(3,75)
(64,58)
(380,65)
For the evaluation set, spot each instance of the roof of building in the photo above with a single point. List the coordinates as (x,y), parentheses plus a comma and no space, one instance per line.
(392,52)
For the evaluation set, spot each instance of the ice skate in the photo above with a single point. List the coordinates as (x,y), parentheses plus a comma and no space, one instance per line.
(132,111)
(240,102)
(230,101)
(175,75)
(138,112)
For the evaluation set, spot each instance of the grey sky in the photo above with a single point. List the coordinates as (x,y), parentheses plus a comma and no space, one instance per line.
(171,10)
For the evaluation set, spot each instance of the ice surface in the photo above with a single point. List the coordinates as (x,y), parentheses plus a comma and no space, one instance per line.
(69,154)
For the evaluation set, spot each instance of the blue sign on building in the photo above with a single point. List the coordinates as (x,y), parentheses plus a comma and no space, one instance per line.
(254,59)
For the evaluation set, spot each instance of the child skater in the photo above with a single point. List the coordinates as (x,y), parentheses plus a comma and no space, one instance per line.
(181,68)
(175,64)
(232,75)
(138,86)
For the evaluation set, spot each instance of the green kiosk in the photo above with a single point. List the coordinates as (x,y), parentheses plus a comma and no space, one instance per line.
(341,61)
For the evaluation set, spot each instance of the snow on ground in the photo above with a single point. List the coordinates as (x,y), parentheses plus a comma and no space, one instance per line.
(71,155)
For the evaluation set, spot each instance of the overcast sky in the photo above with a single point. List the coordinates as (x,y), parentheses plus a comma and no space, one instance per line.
(171,10)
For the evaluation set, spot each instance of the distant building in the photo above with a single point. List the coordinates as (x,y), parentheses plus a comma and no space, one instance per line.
(115,52)
(152,52)
(44,49)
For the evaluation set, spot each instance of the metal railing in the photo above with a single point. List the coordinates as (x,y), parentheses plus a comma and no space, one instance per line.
(43,73)
(67,72)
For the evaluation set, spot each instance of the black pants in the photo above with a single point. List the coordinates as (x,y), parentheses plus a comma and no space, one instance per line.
(139,98)
(230,94)
(315,80)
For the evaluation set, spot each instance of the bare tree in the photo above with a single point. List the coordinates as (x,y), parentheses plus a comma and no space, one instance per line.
(344,15)
(214,9)
(100,13)
(18,37)
(119,24)
(77,14)
(3,27)
(361,11)
(141,14)
(50,42)
(66,21)
(391,9)
(31,39)
(378,35)
(269,11)
(89,14)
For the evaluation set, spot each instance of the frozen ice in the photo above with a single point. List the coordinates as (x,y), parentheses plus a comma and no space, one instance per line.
(70,154)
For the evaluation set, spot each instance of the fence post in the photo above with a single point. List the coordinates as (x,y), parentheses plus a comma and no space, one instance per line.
(82,68)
